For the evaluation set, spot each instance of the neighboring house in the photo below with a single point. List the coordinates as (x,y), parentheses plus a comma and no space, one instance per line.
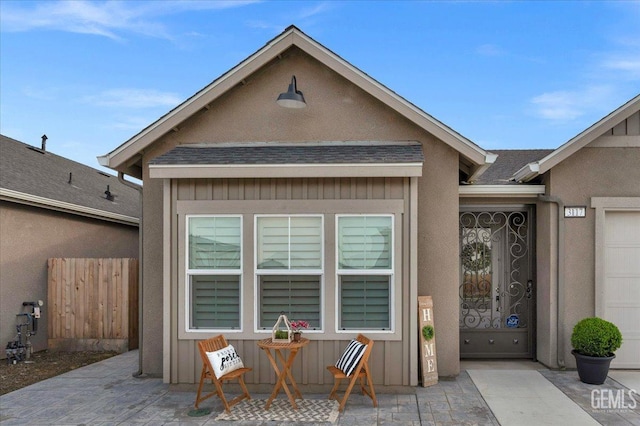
(342,214)
(54,207)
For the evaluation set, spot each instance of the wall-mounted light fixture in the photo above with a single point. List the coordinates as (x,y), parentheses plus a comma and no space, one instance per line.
(292,98)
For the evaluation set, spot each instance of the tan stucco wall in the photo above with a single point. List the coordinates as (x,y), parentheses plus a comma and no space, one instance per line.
(336,111)
(590,172)
(28,237)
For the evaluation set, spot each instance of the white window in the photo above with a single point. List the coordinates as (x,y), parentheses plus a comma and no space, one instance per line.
(214,271)
(289,269)
(365,271)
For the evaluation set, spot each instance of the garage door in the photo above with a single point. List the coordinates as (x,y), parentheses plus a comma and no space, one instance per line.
(622,283)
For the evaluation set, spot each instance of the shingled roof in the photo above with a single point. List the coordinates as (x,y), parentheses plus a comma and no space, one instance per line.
(318,153)
(30,175)
(508,162)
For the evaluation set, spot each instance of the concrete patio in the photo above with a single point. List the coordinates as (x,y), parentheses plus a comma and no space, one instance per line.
(485,393)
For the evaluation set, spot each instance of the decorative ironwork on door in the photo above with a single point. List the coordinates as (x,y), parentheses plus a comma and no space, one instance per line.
(495,289)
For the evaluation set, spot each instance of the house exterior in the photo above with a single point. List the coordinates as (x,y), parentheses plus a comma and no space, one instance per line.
(341,213)
(53,207)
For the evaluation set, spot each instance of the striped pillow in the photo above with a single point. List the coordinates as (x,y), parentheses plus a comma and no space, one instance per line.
(351,357)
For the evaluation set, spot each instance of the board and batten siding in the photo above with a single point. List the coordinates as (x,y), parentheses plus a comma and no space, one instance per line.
(394,357)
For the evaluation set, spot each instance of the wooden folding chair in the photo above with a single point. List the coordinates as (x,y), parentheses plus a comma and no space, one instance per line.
(361,372)
(211,345)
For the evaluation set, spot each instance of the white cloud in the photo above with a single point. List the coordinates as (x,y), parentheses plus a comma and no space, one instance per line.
(106,18)
(134,98)
(129,123)
(569,105)
(489,50)
(630,66)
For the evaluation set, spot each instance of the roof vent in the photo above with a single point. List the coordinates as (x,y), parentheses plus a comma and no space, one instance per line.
(44,142)
(108,195)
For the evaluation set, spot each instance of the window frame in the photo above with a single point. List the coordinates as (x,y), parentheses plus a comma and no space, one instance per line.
(258,272)
(189,272)
(388,272)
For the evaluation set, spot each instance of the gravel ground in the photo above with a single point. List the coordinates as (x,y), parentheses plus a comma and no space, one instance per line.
(43,365)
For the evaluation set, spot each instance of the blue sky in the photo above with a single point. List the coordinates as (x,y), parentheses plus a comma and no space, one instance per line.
(507,75)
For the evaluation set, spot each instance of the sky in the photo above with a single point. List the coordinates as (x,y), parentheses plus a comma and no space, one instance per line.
(504,74)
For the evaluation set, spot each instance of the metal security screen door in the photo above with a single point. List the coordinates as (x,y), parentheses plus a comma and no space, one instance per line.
(496,289)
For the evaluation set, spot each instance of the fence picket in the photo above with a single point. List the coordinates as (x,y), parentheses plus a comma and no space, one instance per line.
(92,303)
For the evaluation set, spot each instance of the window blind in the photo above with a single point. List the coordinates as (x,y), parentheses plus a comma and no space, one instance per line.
(365,302)
(214,242)
(364,242)
(215,301)
(289,242)
(298,296)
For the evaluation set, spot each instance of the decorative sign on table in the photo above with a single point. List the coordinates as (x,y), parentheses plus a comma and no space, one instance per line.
(427,341)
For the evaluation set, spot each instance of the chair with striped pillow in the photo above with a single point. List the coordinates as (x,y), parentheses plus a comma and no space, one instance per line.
(353,364)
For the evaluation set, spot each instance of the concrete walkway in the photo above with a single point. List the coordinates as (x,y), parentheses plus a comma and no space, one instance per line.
(501,393)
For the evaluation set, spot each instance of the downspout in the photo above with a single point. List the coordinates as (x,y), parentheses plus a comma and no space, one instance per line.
(138,188)
(560,278)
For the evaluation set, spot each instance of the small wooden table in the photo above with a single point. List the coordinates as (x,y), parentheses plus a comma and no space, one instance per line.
(285,371)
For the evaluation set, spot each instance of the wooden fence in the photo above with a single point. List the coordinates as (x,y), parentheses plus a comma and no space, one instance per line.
(93,304)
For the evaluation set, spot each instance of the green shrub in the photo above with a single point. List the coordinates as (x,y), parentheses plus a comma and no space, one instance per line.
(596,337)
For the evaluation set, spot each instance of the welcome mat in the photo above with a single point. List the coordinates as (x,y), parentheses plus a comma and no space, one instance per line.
(309,411)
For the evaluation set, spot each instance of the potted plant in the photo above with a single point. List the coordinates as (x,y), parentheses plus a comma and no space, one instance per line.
(594,342)
(297,327)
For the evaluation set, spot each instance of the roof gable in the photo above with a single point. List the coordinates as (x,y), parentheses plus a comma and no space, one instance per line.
(536,168)
(36,177)
(125,157)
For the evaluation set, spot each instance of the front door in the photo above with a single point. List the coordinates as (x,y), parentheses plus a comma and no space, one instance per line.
(496,288)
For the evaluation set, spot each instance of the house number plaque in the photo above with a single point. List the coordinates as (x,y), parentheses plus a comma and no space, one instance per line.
(427,341)
(575,211)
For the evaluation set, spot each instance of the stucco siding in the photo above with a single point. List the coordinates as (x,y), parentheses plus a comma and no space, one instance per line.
(28,237)
(590,172)
(438,252)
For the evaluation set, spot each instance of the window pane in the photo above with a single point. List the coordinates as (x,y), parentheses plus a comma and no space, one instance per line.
(365,302)
(306,243)
(298,296)
(289,242)
(364,242)
(214,243)
(215,301)
(273,243)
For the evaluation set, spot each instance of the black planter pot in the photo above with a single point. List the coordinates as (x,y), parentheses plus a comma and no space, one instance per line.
(592,369)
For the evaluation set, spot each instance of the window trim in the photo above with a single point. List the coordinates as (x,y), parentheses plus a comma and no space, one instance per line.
(390,272)
(328,208)
(188,272)
(258,272)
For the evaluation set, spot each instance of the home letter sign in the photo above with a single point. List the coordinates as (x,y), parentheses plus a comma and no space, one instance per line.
(427,341)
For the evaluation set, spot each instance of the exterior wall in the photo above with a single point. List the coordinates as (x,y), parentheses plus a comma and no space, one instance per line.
(372,195)
(438,252)
(28,237)
(336,110)
(590,172)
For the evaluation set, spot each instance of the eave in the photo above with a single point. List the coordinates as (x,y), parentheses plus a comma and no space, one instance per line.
(509,191)
(285,170)
(61,206)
